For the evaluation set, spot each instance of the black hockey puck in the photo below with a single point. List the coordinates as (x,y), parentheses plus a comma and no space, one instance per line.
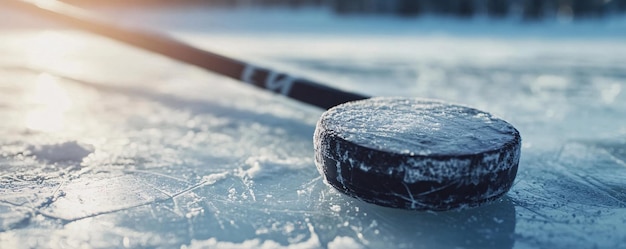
(416,153)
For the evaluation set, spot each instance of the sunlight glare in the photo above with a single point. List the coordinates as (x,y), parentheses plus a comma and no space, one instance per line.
(43,3)
(52,102)
(54,49)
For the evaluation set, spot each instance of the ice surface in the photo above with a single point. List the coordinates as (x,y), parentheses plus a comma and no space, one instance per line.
(185,158)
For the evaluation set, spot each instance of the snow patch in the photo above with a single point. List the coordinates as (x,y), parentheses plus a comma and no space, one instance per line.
(312,242)
(342,242)
(213,178)
(262,166)
(61,152)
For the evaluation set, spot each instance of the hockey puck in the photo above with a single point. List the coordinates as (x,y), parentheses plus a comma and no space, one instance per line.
(416,154)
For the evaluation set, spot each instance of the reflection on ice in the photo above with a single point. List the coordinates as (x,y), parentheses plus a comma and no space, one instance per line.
(490,226)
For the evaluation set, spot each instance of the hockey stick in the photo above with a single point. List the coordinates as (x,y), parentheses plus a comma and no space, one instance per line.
(296,88)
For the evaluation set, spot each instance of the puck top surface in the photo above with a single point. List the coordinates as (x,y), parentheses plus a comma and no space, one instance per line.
(419,127)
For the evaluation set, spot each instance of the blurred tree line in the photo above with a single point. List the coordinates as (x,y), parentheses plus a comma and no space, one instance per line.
(525,9)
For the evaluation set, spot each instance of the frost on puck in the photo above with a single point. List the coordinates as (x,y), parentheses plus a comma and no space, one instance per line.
(416,153)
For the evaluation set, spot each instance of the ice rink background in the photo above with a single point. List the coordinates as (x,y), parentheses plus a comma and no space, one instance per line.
(103,145)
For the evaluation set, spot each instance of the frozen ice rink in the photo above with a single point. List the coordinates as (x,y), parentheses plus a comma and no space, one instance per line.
(106,146)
